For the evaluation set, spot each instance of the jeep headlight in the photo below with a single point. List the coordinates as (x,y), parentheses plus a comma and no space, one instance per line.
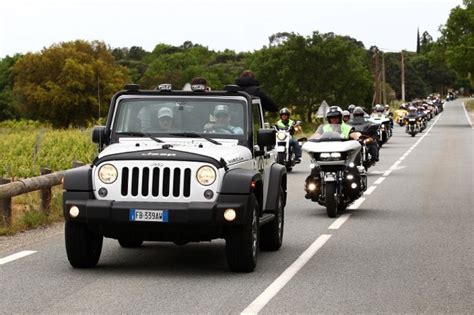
(108,173)
(206,175)
(281,135)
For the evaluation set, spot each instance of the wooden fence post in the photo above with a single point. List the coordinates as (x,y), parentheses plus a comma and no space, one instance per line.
(6,205)
(45,193)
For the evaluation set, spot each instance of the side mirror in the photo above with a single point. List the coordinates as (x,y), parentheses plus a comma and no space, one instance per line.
(98,135)
(266,138)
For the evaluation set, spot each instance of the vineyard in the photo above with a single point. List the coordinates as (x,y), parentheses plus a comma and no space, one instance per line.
(26,146)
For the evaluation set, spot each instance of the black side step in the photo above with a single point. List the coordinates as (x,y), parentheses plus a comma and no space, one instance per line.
(267,217)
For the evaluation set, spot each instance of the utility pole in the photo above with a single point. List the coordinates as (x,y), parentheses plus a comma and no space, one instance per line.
(384,97)
(376,99)
(403,77)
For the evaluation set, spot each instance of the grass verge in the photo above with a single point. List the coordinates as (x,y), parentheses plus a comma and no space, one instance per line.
(26,213)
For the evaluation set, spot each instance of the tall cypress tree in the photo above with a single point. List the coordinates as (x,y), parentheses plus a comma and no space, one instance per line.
(418,40)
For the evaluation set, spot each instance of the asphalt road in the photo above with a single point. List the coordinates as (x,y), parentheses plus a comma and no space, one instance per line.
(407,248)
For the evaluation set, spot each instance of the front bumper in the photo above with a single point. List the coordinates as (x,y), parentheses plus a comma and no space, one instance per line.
(193,213)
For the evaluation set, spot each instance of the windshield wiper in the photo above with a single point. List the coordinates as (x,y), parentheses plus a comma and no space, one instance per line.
(139,134)
(195,135)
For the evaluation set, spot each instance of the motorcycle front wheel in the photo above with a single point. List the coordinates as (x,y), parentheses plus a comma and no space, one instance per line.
(281,158)
(331,199)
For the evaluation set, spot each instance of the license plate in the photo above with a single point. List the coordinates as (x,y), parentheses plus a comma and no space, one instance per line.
(280,148)
(148,215)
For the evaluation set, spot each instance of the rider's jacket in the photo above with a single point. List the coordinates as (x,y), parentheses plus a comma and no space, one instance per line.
(285,125)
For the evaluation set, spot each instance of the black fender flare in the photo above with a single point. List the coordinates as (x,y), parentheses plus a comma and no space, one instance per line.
(78,179)
(277,179)
(239,182)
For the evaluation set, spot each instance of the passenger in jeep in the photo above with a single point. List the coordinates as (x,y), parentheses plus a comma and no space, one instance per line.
(165,119)
(222,123)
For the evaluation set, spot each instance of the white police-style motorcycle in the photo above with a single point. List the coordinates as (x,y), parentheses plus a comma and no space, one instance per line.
(337,176)
(285,154)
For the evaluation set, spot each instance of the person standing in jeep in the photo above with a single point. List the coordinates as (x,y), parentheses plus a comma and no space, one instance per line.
(249,84)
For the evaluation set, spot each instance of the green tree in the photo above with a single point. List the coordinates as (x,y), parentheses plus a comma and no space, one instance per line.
(61,84)
(7,101)
(458,39)
(178,65)
(300,71)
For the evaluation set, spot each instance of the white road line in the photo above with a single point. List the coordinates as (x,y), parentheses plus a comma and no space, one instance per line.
(394,165)
(262,300)
(467,115)
(387,173)
(379,180)
(16,256)
(356,204)
(370,190)
(401,159)
(339,221)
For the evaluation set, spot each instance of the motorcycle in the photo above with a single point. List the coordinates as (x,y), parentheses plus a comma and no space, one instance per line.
(412,126)
(399,116)
(337,179)
(366,140)
(385,130)
(285,154)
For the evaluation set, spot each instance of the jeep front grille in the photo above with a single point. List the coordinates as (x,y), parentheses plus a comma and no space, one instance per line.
(156,181)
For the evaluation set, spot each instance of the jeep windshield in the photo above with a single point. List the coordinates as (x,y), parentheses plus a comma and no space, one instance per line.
(181,116)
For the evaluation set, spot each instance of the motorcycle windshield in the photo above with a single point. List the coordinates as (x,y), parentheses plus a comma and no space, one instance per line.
(328,132)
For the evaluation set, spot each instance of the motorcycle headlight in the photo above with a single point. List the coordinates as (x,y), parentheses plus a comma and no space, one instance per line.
(108,174)
(281,135)
(326,156)
(206,175)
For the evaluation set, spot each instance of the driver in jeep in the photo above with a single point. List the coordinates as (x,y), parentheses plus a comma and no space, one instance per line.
(222,122)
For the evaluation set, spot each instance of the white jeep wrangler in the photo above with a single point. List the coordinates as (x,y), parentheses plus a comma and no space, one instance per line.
(178,166)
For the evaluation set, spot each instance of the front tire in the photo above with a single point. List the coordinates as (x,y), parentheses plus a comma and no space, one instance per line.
(281,158)
(242,243)
(271,234)
(331,199)
(83,245)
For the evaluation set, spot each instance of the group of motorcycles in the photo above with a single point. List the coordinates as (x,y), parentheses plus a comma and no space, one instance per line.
(338,169)
(416,115)
(338,166)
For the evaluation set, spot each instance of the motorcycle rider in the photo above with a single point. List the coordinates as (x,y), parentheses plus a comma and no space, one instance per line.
(363,126)
(336,124)
(346,116)
(351,108)
(285,123)
(388,114)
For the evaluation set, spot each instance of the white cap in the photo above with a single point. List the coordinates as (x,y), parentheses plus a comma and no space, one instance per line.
(221,109)
(165,112)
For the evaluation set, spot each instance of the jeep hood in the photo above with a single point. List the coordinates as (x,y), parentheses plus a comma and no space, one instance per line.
(179,149)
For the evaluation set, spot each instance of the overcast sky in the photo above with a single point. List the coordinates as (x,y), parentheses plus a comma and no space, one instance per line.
(243,25)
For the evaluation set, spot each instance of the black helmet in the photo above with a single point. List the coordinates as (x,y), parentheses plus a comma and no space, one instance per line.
(351,108)
(285,110)
(334,111)
(358,111)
